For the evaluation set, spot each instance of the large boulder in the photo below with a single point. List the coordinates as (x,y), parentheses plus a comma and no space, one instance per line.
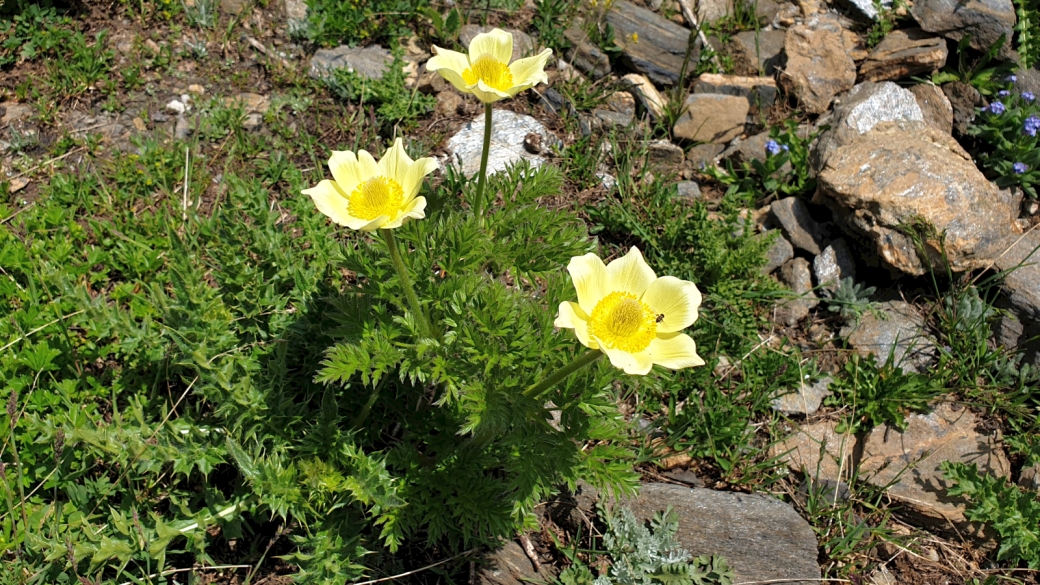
(902,182)
(984,20)
(818,67)
(866,106)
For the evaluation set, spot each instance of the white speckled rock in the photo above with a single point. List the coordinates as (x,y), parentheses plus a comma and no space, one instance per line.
(507,142)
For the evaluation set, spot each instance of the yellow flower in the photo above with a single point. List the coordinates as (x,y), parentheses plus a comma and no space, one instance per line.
(368,195)
(486,72)
(628,313)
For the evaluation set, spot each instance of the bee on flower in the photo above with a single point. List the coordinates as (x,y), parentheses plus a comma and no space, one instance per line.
(626,311)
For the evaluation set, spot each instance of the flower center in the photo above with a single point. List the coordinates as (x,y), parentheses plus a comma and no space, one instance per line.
(491,71)
(621,321)
(375,197)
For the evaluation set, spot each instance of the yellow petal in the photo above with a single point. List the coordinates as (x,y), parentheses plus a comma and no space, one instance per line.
(375,224)
(673,351)
(638,364)
(345,169)
(487,94)
(529,72)
(415,209)
(572,317)
(589,276)
(497,43)
(395,162)
(630,273)
(674,298)
(450,65)
(367,166)
(412,180)
(332,201)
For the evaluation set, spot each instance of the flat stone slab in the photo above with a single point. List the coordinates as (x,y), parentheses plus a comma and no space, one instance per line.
(709,117)
(909,462)
(984,20)
(818,451)
(508,132)
(369,62)
(892,329)
(659,46)
(806,400)
(903,53)
(760,538)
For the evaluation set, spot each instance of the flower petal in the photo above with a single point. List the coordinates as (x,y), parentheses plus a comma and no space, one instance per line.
(395,162)
(676,299)
(415,209)
(450,65)
(486,93)
(497,43)
(572,317)
(638,364)
(412,180)
(589,276)
(330,200)
(345,169)
(674,351)
(630,273)
(375,224)
(368,167)
(529,72)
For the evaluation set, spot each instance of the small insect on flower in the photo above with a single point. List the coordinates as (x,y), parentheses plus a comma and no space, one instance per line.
(628,313)
(486,71)
(367,195)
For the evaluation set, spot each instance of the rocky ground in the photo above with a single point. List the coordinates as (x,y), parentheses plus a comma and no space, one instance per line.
(888,149)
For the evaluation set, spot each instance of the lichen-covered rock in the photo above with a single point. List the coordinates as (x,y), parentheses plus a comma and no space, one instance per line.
(902,175)
(508,132)
(866,106)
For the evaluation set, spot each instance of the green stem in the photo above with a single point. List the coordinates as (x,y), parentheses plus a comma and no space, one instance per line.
(360,418)
(478,203)
(406,283)
(552,379)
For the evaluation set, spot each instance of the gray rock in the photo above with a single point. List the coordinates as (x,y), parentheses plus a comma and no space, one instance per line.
(760,92)
(800,228)
(963,99)
(295,13)
(936,108)
(585,55)
(1020,289)
(181,128)
(646,94)
(700,156)
(984,20)
(907,463)
(619,110)
(688,190)
(833,264)
(659,49)
(866,106)
(795,274)
(907,173)
(893,329)
(369,62)
(818,67)
(806,400)
(780,252)
(665,156)
(523,45)
(818,451)
(252,122)
(761,538)
(711,117)
(233,6)
(508,132)
(903,53)
(1029,478)
(557,103)
(709,11)
(757,52)
(15,112)
(509,565)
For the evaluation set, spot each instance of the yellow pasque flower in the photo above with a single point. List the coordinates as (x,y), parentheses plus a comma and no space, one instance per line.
(486,72)
(628,313)
(368,195)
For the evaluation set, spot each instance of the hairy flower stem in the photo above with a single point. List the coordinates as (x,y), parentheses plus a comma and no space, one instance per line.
(406,283)
(552,379)
(478,202)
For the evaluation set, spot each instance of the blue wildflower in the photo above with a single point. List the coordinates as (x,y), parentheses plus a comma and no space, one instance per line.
(1028,96)
(1020,168)
(1012,78)
(785,147)
(1031,125)
(773,148)
(996,108)
(1003,93)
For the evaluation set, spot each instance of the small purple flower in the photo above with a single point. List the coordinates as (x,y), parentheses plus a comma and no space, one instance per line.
(996,108)
(1003,93)
(1020,168)
(785,147)
(1031,125)
(1012,78)
(773,148)
(1028,96)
